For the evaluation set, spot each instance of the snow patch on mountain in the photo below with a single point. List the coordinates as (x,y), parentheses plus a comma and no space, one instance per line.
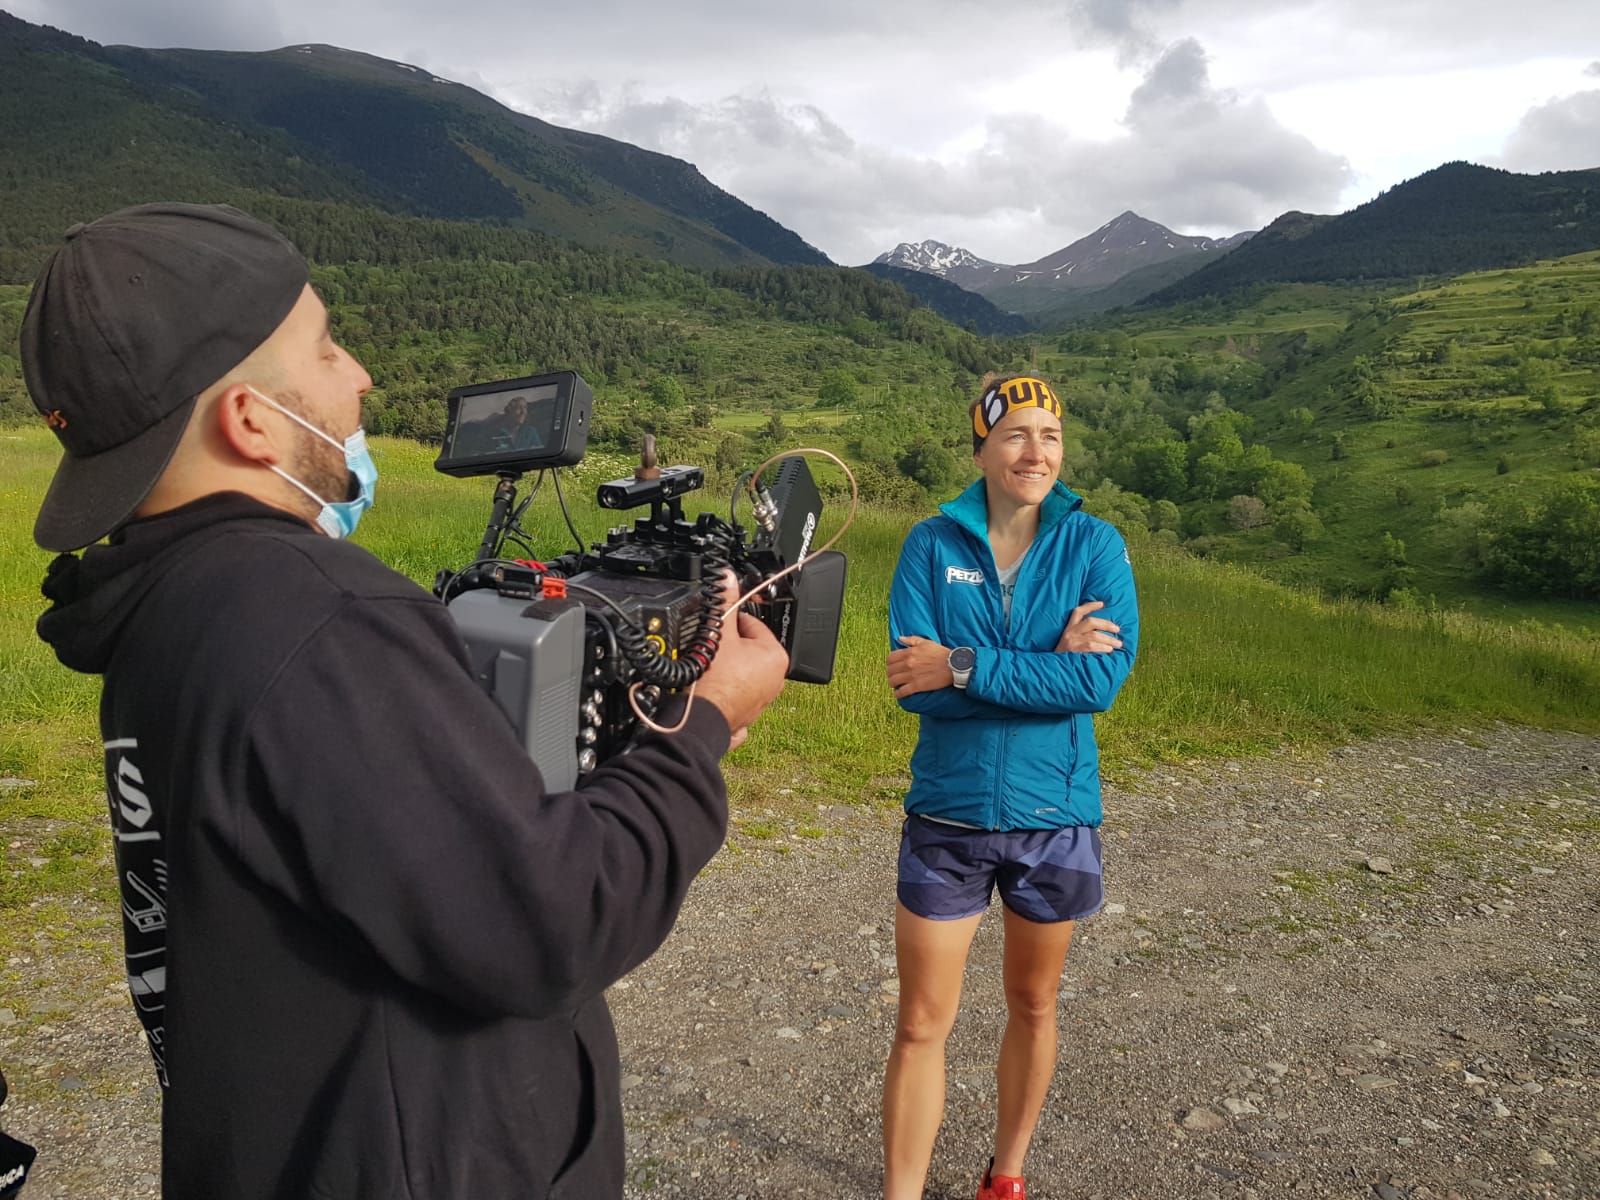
(933,258)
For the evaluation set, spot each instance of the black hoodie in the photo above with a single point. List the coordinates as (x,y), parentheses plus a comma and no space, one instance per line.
(368,948)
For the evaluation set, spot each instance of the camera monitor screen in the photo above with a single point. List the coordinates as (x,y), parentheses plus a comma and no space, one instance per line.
(516,425)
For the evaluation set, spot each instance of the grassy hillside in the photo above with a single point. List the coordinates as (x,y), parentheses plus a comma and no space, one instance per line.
(1438,417)
(1230,663)
(1457,217)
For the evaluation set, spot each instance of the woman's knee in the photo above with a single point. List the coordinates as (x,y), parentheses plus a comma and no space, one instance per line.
(1032,1003)
(919,1025)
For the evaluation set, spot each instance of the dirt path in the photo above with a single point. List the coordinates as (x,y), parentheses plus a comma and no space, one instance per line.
(1372,973)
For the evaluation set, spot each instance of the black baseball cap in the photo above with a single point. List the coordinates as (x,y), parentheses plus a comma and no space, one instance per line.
(132,317)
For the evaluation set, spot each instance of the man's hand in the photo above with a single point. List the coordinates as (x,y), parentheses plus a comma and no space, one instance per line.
(1089,635)
(923,666)
(747,673)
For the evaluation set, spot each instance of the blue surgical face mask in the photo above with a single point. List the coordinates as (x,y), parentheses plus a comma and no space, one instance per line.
(336,519)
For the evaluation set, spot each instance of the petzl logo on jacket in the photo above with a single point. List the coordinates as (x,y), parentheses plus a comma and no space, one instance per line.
(963,575)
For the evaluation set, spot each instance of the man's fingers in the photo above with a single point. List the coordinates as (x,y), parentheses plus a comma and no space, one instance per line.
(1083,609)
(911,640)
(750,626)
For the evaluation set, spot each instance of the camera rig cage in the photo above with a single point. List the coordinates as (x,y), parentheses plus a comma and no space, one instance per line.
(582,649)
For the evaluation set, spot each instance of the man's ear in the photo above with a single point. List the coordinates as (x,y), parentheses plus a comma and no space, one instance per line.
(246,425)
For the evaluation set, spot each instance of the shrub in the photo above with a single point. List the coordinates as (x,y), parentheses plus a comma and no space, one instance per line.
(1165,515)
(1297,528)
(838,390)
(929,463)
(1246,512)
(1550,543)
(1128,511)
(1433,458)
(1408,599)
(1586,445)
(1283,484)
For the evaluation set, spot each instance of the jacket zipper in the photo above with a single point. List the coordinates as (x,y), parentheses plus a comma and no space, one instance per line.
(1000,775)
(998,599)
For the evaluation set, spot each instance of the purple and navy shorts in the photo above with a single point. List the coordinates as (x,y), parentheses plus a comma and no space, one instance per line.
(1046,875)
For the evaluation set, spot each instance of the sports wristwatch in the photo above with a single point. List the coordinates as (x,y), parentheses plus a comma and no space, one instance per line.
(962,659)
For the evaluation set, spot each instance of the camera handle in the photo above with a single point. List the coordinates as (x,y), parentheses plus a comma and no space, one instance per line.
(505,500)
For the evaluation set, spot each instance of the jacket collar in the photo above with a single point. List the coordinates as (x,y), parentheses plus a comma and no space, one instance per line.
(970,509)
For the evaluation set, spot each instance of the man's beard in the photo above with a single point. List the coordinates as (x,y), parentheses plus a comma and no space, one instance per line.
(321,467)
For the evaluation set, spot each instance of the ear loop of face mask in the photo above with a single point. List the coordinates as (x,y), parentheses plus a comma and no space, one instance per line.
(336,519)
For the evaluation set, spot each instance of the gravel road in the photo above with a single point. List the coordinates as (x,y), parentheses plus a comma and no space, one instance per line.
(1374,972)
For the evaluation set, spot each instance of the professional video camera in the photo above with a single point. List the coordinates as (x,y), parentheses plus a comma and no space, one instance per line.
(578,650)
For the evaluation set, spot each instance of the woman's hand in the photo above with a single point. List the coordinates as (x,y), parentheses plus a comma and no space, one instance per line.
(923,666)
(1089,635)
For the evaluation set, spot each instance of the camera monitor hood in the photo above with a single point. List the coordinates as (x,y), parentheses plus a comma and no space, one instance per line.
(516,425)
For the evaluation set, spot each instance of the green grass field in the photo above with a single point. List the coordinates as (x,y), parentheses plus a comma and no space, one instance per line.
(1230,664)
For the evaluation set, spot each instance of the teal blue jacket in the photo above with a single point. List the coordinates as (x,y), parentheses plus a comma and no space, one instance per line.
(1016,748)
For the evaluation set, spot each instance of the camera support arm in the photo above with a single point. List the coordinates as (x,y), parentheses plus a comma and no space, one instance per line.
(505,500)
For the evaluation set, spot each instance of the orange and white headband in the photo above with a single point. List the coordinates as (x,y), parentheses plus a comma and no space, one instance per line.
(1023,392)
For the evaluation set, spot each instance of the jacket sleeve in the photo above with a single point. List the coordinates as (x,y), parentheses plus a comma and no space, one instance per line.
(911,615)
(405,813)
(1070,682)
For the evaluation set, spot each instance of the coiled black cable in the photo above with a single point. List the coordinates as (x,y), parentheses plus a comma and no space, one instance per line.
(694,658)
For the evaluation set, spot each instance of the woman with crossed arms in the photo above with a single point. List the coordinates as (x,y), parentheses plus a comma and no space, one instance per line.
(1014,619)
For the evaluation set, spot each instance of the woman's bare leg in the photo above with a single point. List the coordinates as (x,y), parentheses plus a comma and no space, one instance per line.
(932,955)
(1034,956)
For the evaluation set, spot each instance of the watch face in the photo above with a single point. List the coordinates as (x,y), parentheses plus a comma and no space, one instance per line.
(962,658)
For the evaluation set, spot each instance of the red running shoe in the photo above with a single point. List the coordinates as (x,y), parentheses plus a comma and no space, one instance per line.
(1000,1187)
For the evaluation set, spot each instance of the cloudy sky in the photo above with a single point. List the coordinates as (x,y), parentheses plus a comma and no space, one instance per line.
(1010,127)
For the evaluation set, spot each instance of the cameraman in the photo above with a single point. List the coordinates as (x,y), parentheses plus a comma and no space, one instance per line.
(367,947)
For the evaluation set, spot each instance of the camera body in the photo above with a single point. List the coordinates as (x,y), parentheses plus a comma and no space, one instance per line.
(575,648)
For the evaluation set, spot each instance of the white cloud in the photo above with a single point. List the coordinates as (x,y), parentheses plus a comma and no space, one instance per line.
(1129,26)
(1563,135)
(1186,153)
